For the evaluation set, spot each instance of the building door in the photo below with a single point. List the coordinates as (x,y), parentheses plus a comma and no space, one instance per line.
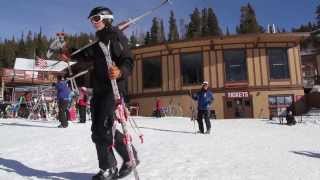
(239,106)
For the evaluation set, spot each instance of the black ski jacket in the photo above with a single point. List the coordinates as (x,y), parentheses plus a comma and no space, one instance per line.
(120,54)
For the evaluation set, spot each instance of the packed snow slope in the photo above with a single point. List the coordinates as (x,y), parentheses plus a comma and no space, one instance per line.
(238,149)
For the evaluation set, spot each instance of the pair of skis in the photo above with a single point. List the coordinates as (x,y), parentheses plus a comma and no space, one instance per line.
(122,114)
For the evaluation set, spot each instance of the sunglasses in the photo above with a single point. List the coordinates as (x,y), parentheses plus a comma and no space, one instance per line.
(98,18)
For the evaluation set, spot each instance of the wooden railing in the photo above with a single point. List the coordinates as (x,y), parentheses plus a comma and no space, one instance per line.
(10,75)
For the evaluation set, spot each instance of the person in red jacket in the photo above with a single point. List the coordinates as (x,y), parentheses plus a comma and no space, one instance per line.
(82,104)
(158,107)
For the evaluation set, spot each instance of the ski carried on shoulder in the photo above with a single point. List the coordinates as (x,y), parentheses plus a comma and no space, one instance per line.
(121,112)
(125,24)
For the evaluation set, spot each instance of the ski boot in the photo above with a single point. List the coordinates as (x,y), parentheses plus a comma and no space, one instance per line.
(127,168)
(110,174)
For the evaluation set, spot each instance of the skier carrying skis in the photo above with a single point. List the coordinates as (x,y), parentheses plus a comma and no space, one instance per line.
(205,99)
(104,134)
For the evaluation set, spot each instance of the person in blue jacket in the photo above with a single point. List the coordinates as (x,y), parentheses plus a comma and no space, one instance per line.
(205,99)
(63,92)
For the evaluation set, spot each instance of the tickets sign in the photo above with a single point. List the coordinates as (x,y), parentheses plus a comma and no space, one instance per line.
(243,94)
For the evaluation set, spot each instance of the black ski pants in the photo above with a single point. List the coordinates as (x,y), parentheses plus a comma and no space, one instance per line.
(103,135)
(82,113)
(206,115)
(63,112)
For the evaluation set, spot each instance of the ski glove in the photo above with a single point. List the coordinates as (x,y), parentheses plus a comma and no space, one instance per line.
(114,72)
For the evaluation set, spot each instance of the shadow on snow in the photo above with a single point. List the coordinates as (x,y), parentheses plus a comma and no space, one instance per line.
(168,130)
(25,125)
(13,166)
(307,153)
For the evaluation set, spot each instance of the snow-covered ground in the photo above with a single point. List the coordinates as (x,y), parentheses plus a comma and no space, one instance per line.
(237,149)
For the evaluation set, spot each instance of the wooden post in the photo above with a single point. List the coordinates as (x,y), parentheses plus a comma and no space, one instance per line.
(2,90)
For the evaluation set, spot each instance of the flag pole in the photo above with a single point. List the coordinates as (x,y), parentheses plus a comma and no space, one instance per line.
(34,56)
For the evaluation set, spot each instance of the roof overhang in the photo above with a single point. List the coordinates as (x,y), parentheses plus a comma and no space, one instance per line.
(29,65)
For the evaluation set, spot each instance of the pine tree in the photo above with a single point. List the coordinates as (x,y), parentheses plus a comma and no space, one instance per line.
(305,28)
(133,40)
(30,45)
(21,50)
(227,31)
(141,37)
(154,32)
(173,29)
(248,21)
(194,27)
(182,29)
(40,45)
(147,39)
(204,22)
(213,25)
(10,52)
(162,36)
(318,16)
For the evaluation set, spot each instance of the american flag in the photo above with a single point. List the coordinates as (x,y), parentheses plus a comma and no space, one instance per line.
(41,63)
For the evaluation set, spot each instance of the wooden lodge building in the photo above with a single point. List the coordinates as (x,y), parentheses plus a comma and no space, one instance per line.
(251,76)
(11,79)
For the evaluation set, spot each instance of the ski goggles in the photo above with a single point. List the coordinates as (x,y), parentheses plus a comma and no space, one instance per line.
(60,33)
(99,17)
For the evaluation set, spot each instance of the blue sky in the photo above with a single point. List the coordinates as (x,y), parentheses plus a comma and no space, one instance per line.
(17,16)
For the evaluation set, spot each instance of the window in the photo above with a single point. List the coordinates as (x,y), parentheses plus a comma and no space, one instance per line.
(235,65)
(280,100)
(278,63)
(191,68)
(279,103)
(151,70)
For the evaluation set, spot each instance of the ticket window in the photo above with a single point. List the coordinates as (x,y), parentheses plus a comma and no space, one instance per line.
(238,108)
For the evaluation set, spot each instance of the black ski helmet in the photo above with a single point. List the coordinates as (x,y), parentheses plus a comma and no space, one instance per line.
(101,10)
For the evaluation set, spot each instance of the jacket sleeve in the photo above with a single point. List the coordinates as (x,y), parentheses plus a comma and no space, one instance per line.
(120,52)
(125,55)
(211,97)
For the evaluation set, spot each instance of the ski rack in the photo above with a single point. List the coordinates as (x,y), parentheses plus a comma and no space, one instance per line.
(57,45)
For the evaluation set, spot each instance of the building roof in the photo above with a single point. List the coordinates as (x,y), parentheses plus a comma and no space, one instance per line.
(295,37)
(29,65)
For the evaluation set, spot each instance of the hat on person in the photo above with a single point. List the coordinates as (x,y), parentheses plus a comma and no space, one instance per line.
(101,13)
(84,89)
(205,83)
